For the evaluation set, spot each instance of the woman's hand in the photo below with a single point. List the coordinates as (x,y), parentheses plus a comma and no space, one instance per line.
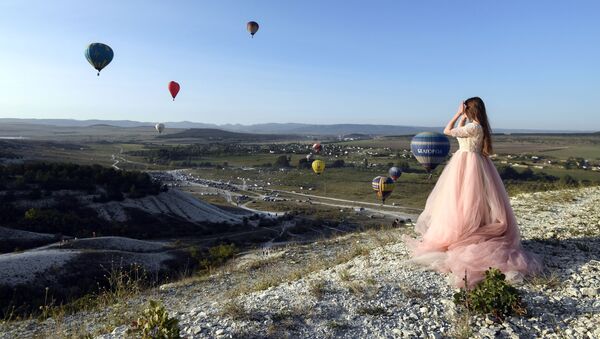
(463,120)
(459,112)
(461,109)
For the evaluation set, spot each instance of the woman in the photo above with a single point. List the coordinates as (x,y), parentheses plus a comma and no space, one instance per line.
(468,224)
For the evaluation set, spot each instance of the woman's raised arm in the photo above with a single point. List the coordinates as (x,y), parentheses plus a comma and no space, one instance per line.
(452,122)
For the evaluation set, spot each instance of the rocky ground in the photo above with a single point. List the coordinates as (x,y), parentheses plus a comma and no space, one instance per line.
(360,286)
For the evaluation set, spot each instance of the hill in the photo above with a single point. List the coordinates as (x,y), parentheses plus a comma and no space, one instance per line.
(212,134)
(265,128)
(361,286)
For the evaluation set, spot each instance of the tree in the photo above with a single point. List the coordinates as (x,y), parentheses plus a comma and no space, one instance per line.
(303,163)
(403,166)
(282,161)
(338,163)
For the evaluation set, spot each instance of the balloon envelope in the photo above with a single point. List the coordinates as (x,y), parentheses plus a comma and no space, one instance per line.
(430,149)
(317,147)
(174,89)
(318,166)
(394,173)
(252,27)
(309,157)
(383,187)
(160,127)
(99,55)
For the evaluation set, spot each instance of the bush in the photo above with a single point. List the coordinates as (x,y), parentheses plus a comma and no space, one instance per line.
(338,164)
(37,176)
(303,163)
(492,296)
(568,180)
(217,255)
(282,161)
(155,323)
(220,254)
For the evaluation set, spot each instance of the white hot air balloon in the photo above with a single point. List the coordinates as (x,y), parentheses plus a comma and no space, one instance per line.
(160,127)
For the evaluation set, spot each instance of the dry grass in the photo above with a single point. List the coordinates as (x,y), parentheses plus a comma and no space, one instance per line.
(411,292)
(549,280)
(235,310)
(344,275)
(336,325)
(262,263)
(122,285)
(357,288)
(287,320)
(371,310)
(317,288)
(462,328)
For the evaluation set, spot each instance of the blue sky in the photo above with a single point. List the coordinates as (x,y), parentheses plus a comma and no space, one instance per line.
(535,63)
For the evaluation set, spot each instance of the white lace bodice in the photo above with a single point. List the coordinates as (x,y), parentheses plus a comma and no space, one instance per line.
(469,136)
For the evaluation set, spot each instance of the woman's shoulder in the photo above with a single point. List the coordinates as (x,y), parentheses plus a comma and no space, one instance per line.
(474,126)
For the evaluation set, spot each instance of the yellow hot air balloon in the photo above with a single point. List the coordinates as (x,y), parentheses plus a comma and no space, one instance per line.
(318,166)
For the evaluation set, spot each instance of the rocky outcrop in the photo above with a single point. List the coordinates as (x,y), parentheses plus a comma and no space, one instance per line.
(360,286)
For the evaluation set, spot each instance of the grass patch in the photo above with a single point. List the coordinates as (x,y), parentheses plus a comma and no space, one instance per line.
(235,310)
(582,247)
(372,311)
(411,292)
(336,325)
(317,288)
(344,275)
(462,328)
(548,280)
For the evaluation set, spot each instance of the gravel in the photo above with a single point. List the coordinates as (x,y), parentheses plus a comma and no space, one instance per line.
(377,294)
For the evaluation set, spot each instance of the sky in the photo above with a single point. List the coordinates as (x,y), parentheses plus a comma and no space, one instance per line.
(536,64)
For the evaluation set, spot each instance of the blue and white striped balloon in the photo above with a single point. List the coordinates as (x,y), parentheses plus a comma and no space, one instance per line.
(430,149)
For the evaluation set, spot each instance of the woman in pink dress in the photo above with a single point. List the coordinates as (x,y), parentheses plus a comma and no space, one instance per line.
(468,224)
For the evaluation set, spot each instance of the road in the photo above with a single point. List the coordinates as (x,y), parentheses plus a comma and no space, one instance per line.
(117,158)
(402,213)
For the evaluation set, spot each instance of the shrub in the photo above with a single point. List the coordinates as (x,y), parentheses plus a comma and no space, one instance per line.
(217,255)
(220,254)
(282,161)
(493,295)
(338,164)
(155,323)
(303,163)
(568,180)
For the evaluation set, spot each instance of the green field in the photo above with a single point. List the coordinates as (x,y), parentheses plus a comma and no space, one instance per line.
(105,145)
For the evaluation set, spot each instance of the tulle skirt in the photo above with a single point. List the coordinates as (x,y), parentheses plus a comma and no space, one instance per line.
(468,225)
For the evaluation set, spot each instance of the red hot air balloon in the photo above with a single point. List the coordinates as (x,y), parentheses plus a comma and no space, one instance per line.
(317,148)
(174,89)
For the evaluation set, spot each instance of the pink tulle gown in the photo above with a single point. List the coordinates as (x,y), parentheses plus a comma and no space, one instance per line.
(468,223)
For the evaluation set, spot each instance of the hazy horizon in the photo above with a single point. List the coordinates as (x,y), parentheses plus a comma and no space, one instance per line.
(312,62)
(238,127)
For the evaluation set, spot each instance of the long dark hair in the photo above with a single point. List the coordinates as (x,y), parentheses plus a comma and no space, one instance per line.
(475,110)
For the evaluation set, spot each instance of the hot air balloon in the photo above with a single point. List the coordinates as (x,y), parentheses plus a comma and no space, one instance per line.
(430,149)
(160,127)
(395,173)
(309,157)
(383,187)
(174,89)
(318,166)
(317,148)
(99,55)
(252,27)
